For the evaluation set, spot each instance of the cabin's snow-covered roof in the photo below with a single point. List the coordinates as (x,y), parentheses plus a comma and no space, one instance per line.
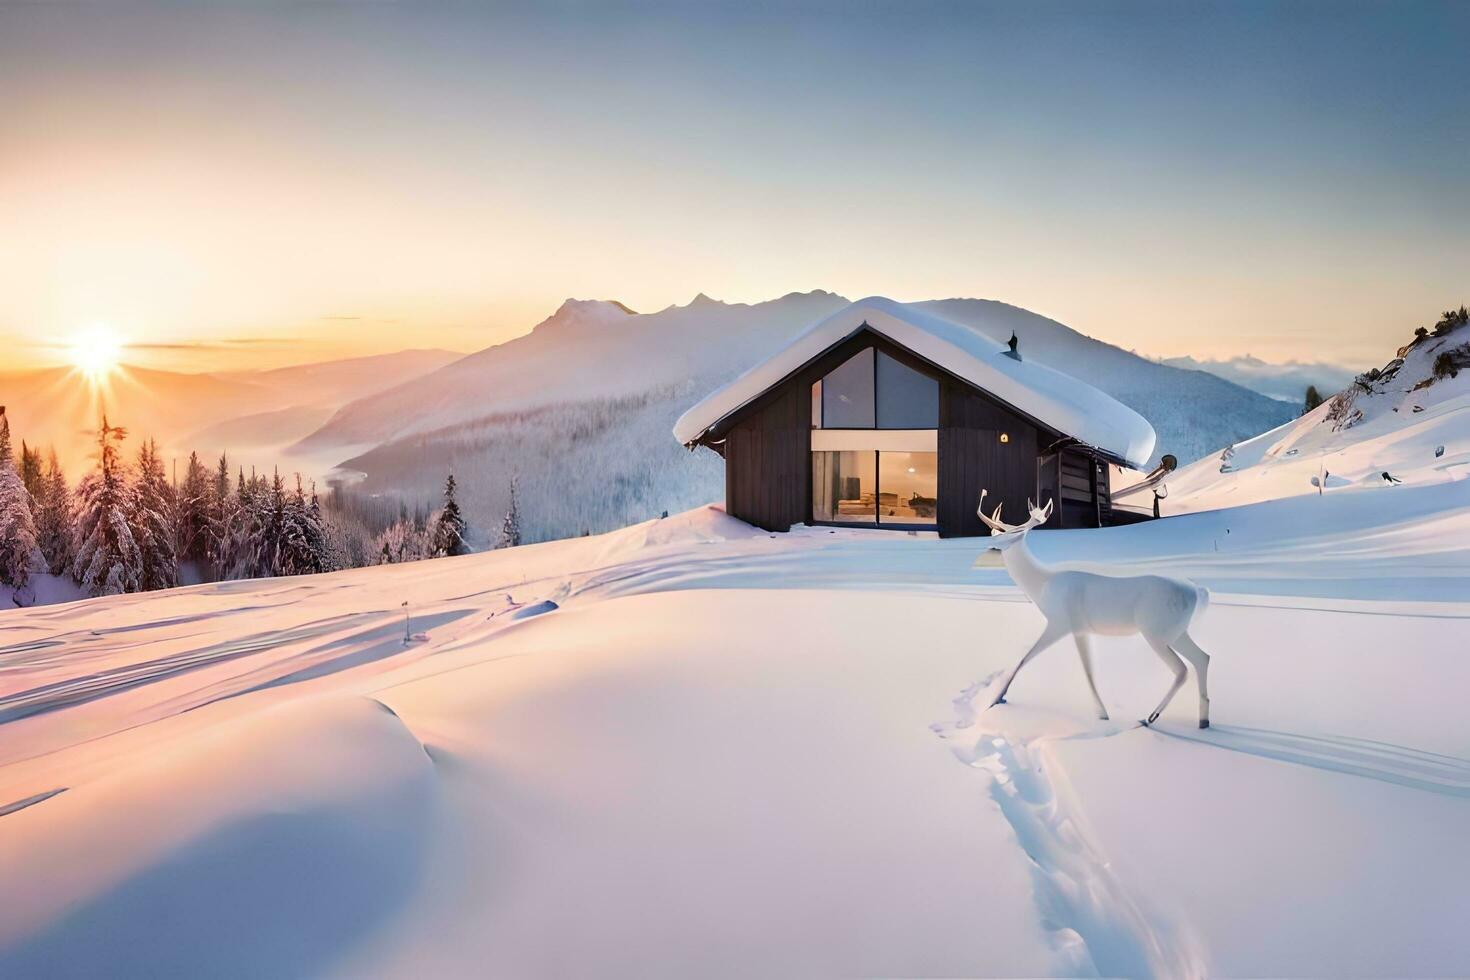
(1060,401)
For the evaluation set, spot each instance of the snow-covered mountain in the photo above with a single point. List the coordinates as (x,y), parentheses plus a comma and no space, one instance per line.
(587,349)
(528,407)
(1403,424)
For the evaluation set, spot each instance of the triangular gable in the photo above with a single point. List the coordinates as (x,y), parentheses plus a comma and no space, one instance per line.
(1058,401)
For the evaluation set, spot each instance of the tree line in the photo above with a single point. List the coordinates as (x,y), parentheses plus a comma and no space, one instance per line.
(125,527)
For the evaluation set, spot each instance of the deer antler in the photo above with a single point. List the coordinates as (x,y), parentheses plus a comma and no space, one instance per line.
(994,522)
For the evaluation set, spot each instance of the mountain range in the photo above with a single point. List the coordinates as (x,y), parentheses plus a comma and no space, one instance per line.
(579,409)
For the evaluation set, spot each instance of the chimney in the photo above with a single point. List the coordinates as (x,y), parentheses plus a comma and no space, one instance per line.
(1011,346)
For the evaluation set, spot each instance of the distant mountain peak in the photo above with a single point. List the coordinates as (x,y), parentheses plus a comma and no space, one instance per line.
(703,300)
(572,305)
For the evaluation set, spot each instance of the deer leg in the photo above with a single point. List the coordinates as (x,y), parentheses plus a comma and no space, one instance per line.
(1200,661)
(1084,651)
(1048,636)
(1181,673)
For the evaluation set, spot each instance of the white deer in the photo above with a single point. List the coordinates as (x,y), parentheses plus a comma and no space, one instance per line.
(1082,603)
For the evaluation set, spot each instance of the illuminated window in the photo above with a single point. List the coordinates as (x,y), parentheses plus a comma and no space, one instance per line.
(875,487)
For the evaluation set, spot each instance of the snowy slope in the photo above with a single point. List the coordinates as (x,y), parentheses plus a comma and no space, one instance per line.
(528,406)
(1402,420)
(1191,411)
(691,748)
(587,349)
(337,382)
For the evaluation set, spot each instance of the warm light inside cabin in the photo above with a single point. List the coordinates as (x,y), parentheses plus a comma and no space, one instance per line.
(95,352)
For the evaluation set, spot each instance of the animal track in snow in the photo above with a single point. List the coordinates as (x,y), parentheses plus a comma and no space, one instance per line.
(1094,924)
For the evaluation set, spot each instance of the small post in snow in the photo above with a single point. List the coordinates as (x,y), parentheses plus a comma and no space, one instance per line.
(407,633)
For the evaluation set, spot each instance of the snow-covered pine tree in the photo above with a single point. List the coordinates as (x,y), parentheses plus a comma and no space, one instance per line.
(510,528)
(248,552)
(30,470)
(325,557)
(224,515)
(448,537)
(303,546)
(53,518)
(151,516)
(19,554)
(271,509)
(107,560)
(192,512)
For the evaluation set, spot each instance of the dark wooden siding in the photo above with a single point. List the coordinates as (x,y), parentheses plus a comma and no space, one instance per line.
(1084,490)
(972,458)
(767,451)
(767,462)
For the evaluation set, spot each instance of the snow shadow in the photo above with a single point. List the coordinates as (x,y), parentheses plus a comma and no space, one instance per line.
(274,895)
(89,687)
(1383,761)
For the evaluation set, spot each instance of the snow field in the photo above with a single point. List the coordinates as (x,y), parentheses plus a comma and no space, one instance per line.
(690,747)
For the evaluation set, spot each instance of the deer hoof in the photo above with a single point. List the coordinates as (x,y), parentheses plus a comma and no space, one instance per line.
(1152,718)
(1204,723)
(1102,716)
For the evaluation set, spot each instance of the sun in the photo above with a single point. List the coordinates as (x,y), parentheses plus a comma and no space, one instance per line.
(95,352)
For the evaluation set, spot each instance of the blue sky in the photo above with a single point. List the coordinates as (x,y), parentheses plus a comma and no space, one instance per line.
(1287,179)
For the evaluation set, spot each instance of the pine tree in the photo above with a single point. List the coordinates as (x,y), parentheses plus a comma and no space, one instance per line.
(449,526)
(262,542)
(19,553)
(303,545)
(150,514)
(510,528)
(107,560)
(224,516)
(30,470)
(53,518)
(249,550)
(1313,399)
(193,512)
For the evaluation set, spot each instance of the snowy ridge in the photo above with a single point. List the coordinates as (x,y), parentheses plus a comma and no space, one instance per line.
(1403,425)
(1065,403)
(582,409)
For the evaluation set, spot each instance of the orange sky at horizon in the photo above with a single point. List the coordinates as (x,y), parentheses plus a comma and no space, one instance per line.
(250,187)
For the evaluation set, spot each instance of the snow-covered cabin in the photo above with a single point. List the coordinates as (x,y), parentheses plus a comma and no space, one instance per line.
(885,415)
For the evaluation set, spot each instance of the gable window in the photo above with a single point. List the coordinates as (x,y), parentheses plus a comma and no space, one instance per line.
(871,390)
(875,456)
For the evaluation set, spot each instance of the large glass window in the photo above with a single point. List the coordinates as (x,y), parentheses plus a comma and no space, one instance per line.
(871,390)
(847,394)
(875,487)
(845,487)
(906,399)
(907,485)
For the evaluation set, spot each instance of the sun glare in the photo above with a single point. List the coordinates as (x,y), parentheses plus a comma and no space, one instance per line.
(95,352)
